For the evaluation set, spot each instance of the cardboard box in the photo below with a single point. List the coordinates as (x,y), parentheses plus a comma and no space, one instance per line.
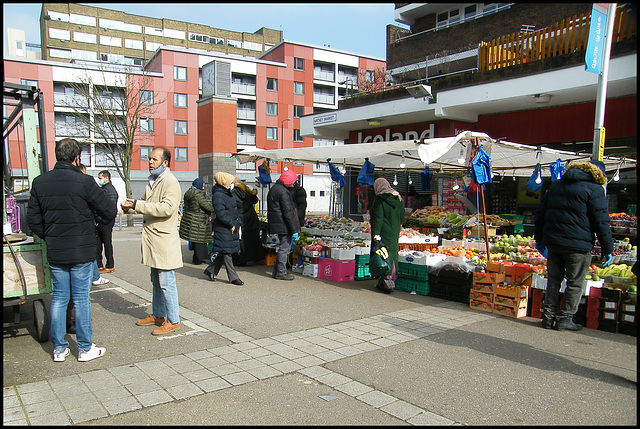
(481,305)
(311,253)
(627,318)
(510,302)
(362,250)
(607,292)
(627,307)
(494,267)
(488,277)
(482,287)
(515,312)
(336,270)
(481,296)
(310,270)
(511,292)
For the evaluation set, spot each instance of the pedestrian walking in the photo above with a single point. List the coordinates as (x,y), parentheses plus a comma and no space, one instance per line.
(226,229)
(61,212)
(105,226)
(387,214)
(573,209)
(195,225)
(251,250)
(300,199)
(161,250)
(282,220)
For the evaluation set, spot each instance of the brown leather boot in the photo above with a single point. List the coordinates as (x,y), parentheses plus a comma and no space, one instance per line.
(166,328)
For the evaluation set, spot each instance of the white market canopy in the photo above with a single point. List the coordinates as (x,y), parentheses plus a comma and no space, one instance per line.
(508,159)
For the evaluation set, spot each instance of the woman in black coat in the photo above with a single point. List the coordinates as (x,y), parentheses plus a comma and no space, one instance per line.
(251,250)
(226,239)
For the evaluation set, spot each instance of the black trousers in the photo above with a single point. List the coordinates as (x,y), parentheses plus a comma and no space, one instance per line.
(200,253)
(105,232)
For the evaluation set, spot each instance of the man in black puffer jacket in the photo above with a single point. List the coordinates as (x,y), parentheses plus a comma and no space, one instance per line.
(573,209)
(61,212)
(282,219)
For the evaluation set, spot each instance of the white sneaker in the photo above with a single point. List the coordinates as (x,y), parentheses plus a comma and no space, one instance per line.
(100,281)
(93,353)
(60,356)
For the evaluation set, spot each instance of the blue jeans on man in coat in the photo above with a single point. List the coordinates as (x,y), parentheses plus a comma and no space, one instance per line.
(71,280)
(165,295)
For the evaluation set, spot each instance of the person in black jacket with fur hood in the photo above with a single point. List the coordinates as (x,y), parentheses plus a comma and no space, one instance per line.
(61,212)
(571,214)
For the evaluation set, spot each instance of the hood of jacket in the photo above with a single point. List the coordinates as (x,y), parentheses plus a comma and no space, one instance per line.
(585,171)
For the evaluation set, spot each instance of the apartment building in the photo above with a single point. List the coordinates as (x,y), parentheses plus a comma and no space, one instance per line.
(70,31)
(206,105)
(515,71)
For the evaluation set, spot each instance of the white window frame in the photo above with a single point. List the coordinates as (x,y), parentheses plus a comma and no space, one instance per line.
(179,72)
(110,41)
(57,16)
(84,37)
(152,46)
(181,154)
(145,97)
(370,76)
(216,40)
(57,33)
(179,100)
(297,137)
(179,127)
(60,53)
(80,54)
(298,63)
(154,31)
(272,109)
(145,152)
(82,19)
(146,125)
(133,44)
(272,133)
(298,88)
(252,46)
(234,43)
(174,34)
(275,84)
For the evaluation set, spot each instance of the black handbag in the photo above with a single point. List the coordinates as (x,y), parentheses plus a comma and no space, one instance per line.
(379,262)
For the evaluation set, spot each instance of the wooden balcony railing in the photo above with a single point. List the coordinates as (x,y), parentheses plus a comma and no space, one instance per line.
(567,36)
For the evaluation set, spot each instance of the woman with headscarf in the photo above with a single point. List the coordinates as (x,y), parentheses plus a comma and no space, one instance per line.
(387,213)
(251,250)
(195,225)
(226,239)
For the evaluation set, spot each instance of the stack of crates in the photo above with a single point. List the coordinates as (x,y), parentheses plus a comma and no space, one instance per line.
(412,277)
(362,267)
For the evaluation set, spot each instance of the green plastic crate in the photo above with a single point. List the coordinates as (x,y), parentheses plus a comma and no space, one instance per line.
(362,260)
(404,285)
(362,273)
(409,285)
(515,229)
(412,271)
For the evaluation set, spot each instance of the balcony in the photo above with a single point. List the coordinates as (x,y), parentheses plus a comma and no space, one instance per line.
(112,103)
(323,98)
(247,114)
(243,88)
(246,139)
(64,130)
(72,101)
(328,76)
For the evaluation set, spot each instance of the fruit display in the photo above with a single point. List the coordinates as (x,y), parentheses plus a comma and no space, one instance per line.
(618,270)
(515,248)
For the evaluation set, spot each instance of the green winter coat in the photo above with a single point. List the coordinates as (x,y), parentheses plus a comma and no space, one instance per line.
(195,225)
(387,214)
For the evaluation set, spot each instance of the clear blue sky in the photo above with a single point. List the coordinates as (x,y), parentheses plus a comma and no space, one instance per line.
(354,27)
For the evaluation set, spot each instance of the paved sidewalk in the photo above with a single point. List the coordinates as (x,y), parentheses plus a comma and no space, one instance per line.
(313,352)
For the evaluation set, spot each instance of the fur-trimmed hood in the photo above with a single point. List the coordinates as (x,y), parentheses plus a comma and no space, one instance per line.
(587,167)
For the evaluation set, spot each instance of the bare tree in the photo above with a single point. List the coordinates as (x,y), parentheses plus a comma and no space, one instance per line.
(371,80)
(115,108)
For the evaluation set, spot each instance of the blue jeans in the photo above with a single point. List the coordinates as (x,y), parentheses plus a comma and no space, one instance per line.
(573,267)
(165,295)
(71,281)
(95,274)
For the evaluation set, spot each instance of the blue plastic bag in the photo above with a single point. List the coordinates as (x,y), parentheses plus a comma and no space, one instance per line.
(425,179)
(336,176)
(263,176)
(531,183)
(557,168)
(366,173)
(481,167)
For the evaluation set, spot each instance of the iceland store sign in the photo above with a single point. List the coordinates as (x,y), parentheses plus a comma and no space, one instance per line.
(595,43)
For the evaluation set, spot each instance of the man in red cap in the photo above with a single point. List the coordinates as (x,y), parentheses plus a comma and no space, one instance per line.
(282,218)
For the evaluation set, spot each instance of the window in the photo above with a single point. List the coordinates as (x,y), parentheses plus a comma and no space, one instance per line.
(60,53)
(179,100)
(312,193)
(133,61)
(216,41)
(234,43)
(79,54)
(152,46)
(371,76)
(180,127)
(110,41)
(272,133)
(322,193)
(297,137)
(174,34)
(298,111)
(133,44)
(298,63)
(272,84)
(57,16)
(252,46)
(82,20)
(29,82)
(19,48)
(154,31)
(470,11)
(146,125)
(272,109)
(181,154)
(56,33)
(145,151)
(298,88)
(119,25)
(146,97)
(84,37)
(198,37)
(179,73)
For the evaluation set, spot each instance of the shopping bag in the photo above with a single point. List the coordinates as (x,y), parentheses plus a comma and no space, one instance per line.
(213,255)
(481,167)
(425,179)
(379,262)
(336,176)
(557,168)
(366,173)
(531,183)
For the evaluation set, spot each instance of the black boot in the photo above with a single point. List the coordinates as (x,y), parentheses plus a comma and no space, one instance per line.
(567,323)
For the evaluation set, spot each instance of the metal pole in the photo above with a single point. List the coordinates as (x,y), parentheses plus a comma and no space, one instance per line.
(601,98)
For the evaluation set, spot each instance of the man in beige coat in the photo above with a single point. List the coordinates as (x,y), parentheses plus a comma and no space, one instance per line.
(161,249)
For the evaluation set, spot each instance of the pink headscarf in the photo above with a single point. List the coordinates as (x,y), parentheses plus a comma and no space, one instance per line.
(288,177)
(382,186)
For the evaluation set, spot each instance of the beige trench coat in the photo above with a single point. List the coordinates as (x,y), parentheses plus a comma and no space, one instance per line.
(161,246)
